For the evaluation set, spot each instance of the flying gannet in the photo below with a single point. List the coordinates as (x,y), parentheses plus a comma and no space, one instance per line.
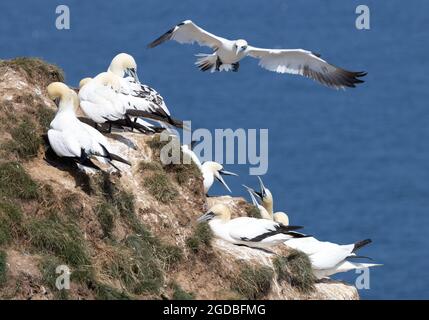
(212,170)
(267,202)
(228,53)
(139,99)
(70,138)
(251,232)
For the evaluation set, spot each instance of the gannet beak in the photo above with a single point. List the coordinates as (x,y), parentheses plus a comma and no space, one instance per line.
(133,73)
(237,51)
(254,201)
(253,192)
(227,173)
(261,185)
(220,179)
(57,102)
(206,217)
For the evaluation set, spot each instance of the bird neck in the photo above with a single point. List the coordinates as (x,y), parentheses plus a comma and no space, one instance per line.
(66,106)
(117,70)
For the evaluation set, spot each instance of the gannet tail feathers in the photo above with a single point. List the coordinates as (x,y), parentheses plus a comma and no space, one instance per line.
(207,62)
(112,156)
(150,115)
(361,244)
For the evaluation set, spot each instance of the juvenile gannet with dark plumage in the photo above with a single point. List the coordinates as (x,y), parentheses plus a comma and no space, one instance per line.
(251,232)
(70,138)
(228,53)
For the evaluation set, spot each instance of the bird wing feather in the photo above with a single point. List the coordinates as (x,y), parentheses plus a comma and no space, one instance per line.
(189,32)
(305,63)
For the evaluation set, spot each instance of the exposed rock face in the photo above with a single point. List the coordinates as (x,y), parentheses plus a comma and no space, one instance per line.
(124,235)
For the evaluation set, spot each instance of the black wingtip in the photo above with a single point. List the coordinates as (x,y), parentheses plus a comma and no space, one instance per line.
(361,244)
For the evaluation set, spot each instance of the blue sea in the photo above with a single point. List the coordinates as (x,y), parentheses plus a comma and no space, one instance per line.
(347,165)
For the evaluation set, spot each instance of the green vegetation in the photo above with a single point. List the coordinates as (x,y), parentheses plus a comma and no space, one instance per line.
(16,183)
(105,292)
(48,269)
(25,141)
(36,70)
(63,239)
(296,270)
(160,187)
(3,268)
(44,116)
(253,282)
(200,239)
(10,222)
(180,294)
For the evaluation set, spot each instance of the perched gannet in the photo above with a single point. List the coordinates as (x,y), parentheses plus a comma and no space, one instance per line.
(326,258)
(144,100)
(212,170)
(329,258)
(267,202)
(228,53)
(101,101)
(251,232)
(69,137)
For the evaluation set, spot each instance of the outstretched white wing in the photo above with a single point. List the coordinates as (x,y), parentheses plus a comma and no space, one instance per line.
(305,63)
(189,32)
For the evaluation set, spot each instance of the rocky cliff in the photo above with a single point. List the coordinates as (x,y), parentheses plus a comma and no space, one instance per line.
(124,235)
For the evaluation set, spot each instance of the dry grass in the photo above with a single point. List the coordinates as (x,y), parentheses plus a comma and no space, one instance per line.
(10,222)
(36,70)
(15,183)
(295,269)
(253,282)
(201,238)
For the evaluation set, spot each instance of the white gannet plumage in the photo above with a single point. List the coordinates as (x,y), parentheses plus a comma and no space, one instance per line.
(267,201)
(327,258)
(251,232)
(212,170)
(139,99)
(228,53)
(69,137)
(99,98)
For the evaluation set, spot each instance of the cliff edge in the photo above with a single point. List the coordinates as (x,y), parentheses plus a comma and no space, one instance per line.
(123,235)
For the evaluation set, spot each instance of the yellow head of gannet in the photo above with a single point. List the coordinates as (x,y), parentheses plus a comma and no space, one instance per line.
(58,92)
(212,169)
(83,82)
(281,217)
(262,211)
(124,64)
(108,79)
(218,211)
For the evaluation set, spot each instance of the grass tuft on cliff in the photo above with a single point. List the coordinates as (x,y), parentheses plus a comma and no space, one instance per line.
(37,71)
(253,282)
(25,141)
(160,187)
(200,239)
(180,294)
(295,269)
(51,235)
(16,183)
(10,222)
